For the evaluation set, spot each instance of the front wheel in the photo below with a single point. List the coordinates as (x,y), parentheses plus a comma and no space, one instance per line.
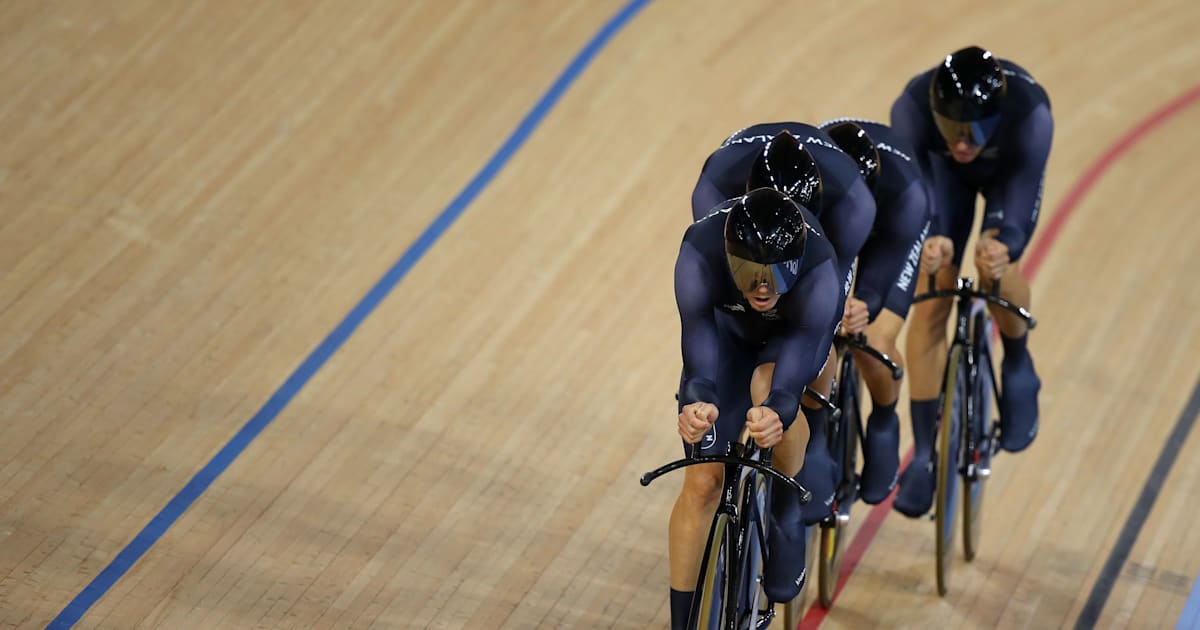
(755,507)
(974,482)
(709,606)
(953,399)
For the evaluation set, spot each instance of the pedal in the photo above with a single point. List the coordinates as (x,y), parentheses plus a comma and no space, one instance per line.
(764,617)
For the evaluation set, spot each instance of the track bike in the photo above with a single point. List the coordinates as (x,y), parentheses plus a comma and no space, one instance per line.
(967,433)
(845,434)
(729,589)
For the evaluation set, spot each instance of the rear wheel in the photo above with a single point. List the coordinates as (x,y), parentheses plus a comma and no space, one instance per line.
(831,561)
(953,399)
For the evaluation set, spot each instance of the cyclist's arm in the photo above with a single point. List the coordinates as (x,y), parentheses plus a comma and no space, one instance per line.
(848,224)
(892,252)
(805,345)
(913,127)
(695,298)
(705,197)
(1014,211)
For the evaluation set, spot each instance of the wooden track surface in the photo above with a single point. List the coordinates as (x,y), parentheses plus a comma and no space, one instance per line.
(194,196)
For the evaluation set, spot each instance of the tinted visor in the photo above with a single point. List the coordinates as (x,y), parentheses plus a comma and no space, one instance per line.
(976,132)
(749,275)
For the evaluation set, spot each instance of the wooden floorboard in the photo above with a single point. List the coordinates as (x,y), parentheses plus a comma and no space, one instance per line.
(194,196)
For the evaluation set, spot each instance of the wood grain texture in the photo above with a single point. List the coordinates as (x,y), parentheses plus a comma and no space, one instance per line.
(194,195)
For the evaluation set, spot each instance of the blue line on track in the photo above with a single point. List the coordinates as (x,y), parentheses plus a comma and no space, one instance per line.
(1190,618)
(166,517)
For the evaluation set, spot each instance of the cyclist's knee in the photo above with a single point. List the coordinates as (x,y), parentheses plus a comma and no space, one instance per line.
(929,317)
(878,377)
(702,485)
(824,382)
(789,454)
(760,382)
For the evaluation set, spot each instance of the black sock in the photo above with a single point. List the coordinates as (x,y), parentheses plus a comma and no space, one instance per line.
(1015,349)
(816,426)
(880,413)
(681,607)
(924,423)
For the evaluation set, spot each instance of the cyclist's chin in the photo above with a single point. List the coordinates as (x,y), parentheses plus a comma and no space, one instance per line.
(762,303)
(966,156)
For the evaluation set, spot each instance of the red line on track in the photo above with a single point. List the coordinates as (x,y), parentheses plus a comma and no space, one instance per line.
(870,527)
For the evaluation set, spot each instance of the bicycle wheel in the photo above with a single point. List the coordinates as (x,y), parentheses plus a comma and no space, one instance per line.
(830,559)
(979,418)
(953,399)
(845,452)
(752,603)
(710,605)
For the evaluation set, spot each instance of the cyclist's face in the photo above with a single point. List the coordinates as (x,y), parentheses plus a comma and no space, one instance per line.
(966,139)
(964,152)
(762,298)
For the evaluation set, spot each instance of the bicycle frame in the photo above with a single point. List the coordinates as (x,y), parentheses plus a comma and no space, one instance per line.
(746,491)
(976,354)
(962,450)
(845,434)
(846,390)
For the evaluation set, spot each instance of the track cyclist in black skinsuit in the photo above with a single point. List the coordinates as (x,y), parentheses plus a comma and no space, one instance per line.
(802,161)
(978,126)
(759,296)
(883,290)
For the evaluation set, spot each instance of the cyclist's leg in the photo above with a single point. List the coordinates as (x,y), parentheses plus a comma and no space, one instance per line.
(881,444)
(690,519)
(1014,288)
(692,513)
(954,201)
(789,454)
(784,572)
(1019,382)
(927,340)
(818,473)
(804,452)
(926,355)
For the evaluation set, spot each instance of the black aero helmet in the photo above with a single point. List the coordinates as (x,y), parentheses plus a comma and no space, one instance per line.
(764,241)
(854,141)
(785,165)
(966,95)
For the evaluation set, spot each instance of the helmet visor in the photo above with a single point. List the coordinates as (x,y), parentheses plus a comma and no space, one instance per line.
(976,132)
(748,275)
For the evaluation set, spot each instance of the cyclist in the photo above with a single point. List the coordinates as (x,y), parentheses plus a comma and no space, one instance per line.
(758,295)
(803,162)
(883,290)
(979,126)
